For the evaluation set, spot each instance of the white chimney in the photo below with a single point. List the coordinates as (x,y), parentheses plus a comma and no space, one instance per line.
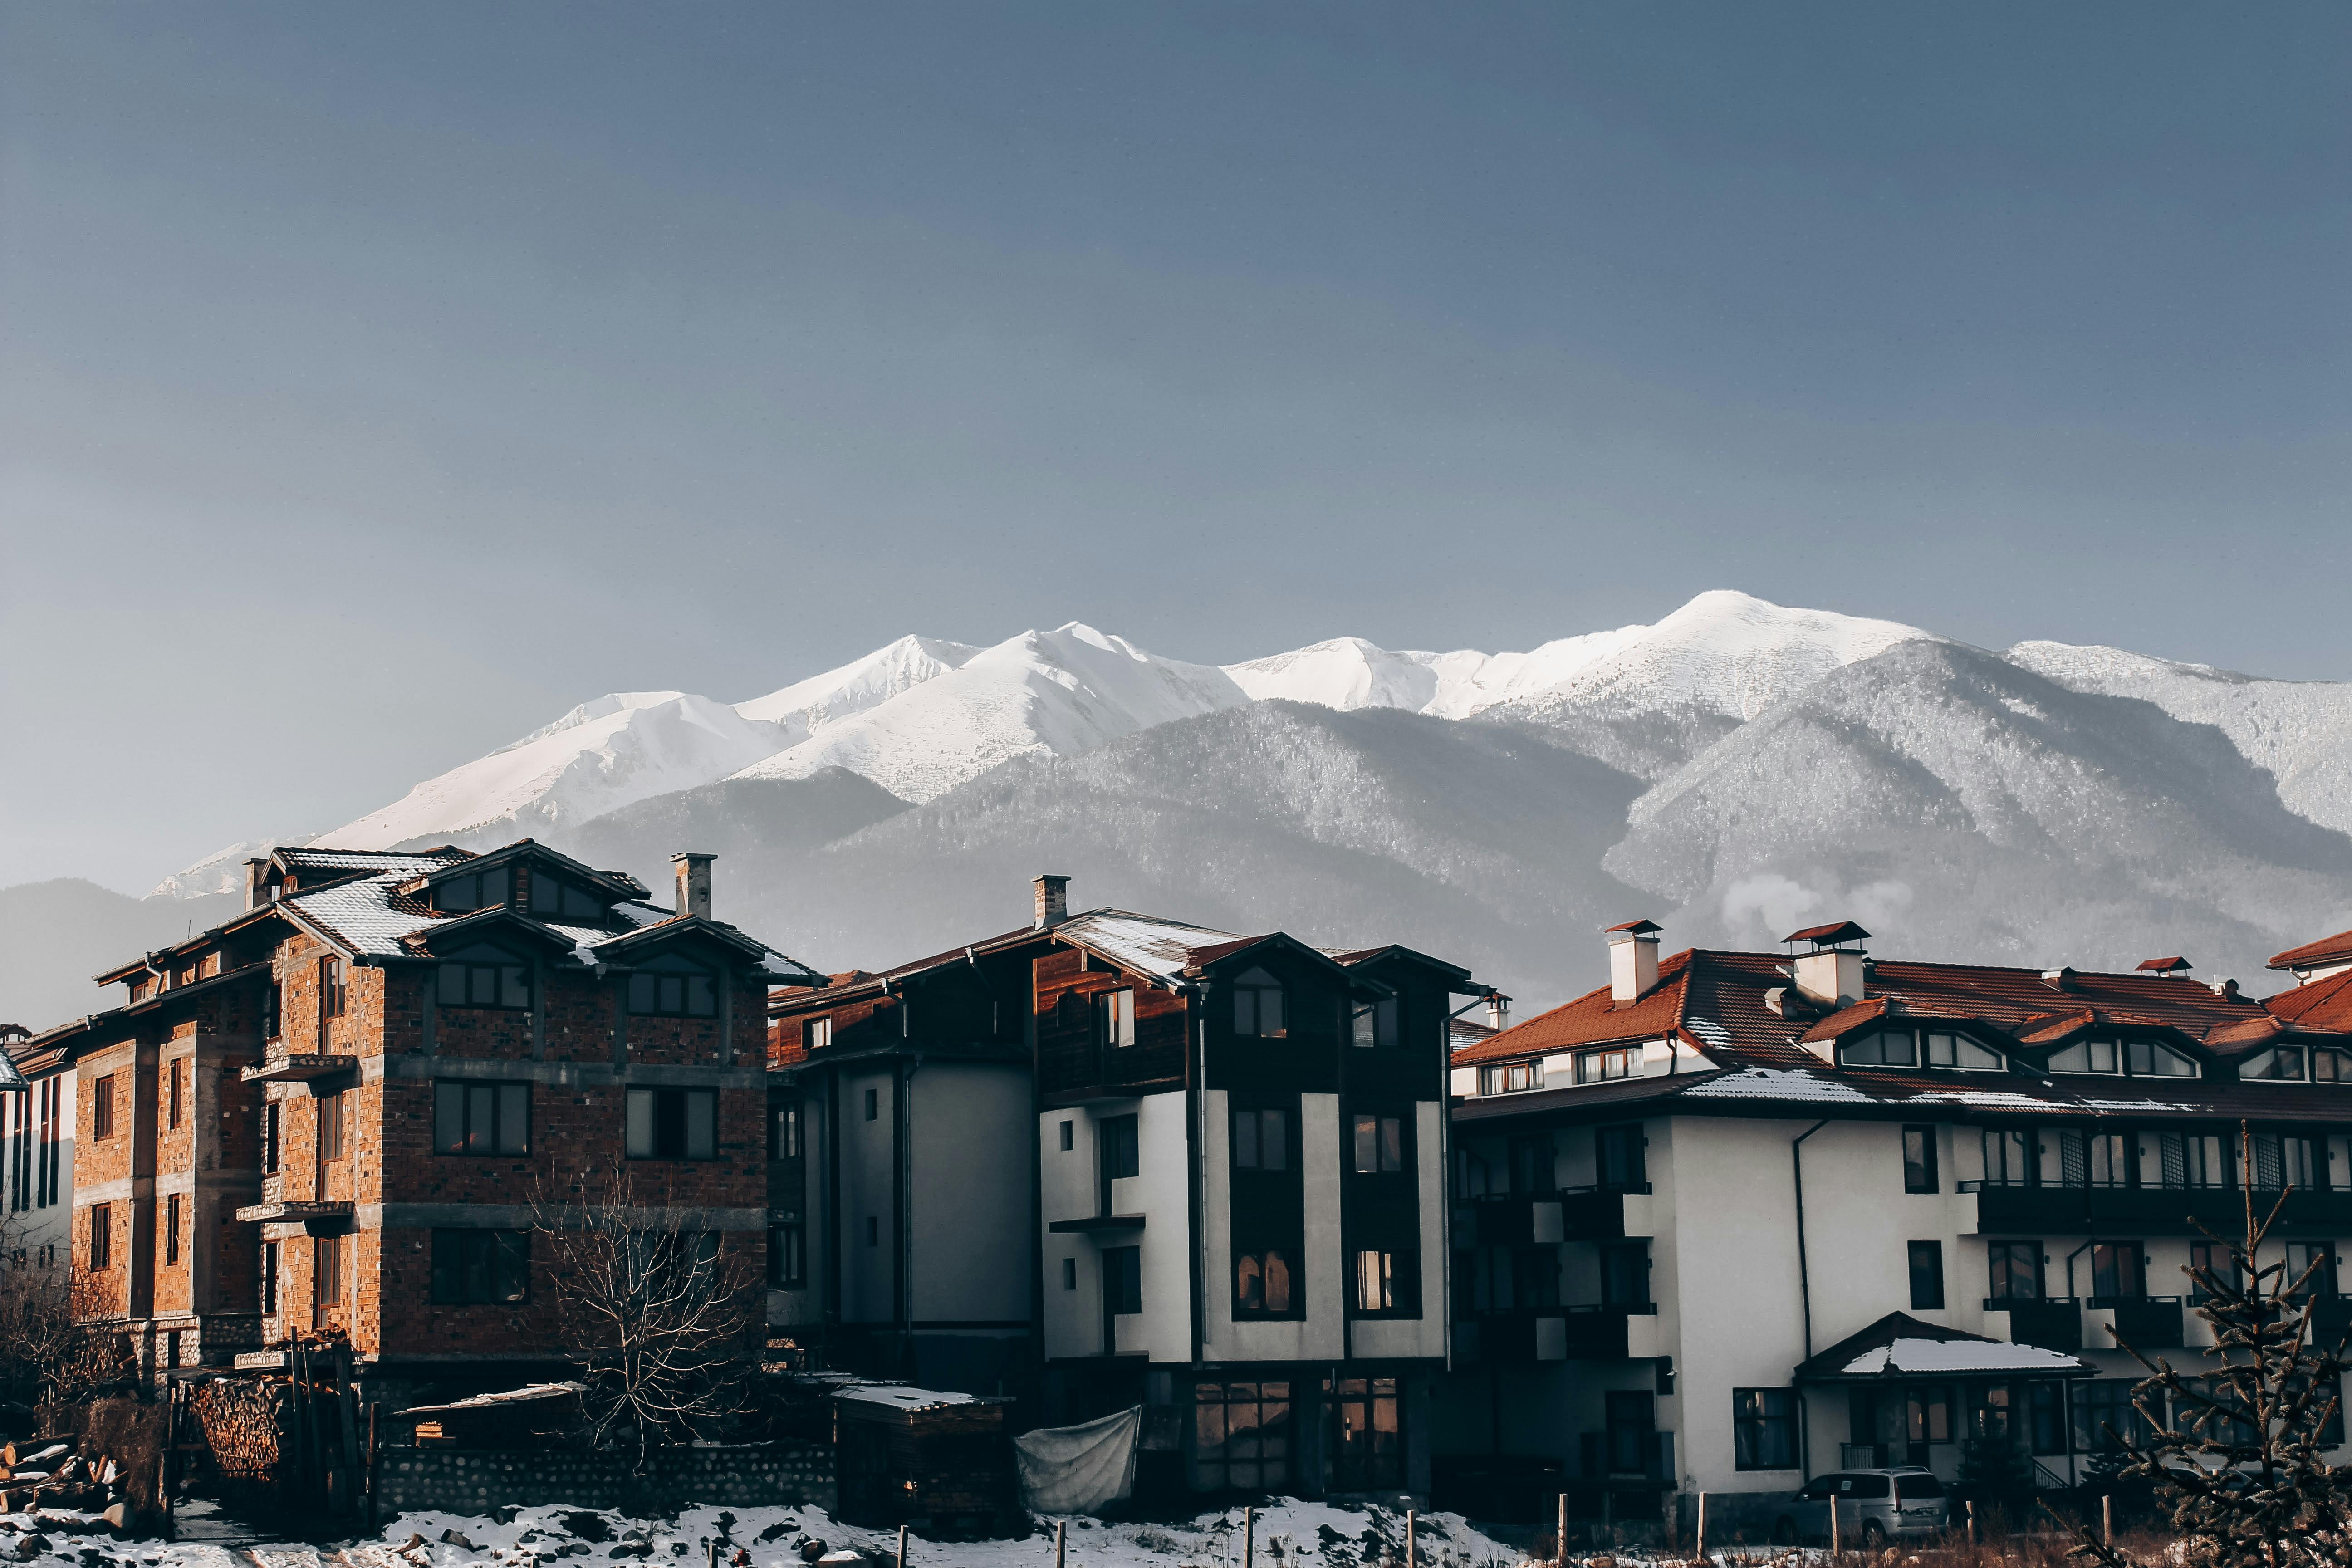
(1498,1012)
(693,884)
(1833,974)
(1633,959)
(1053,901)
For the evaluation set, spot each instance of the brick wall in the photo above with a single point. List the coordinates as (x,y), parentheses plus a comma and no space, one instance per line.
(454,1480)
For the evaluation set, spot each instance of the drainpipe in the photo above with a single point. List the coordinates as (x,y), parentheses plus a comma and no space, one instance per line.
(1804,1286)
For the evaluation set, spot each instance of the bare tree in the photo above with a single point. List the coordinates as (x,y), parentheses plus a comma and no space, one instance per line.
(657,1307)
(60,1337)
(2234,1451)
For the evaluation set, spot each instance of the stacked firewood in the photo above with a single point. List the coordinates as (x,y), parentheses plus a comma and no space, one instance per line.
(243,1422)
(47,1472)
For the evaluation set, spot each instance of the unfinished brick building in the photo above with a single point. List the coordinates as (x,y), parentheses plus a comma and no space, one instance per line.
(331,1115)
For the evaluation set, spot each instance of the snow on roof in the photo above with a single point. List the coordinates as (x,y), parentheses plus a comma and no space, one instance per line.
(360,913)
(1707,1029)
(1775,1083)
(523,1395)
(1144,944)
(407,864)
(1906,1356)
(898,1397)
(1988,1099)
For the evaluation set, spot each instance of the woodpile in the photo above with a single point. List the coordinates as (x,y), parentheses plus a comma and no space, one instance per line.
(50,1472)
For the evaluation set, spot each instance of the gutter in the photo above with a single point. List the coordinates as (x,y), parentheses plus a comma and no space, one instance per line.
(1804,1285)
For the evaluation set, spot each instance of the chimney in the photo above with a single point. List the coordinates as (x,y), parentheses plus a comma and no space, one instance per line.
(1830,975)
(693,884)
(2227,990)
(1498,1011)
(1633,959)
(1053,901)
(256,883)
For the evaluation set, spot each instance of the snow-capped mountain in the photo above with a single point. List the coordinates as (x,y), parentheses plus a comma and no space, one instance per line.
(1059,694)
(807,706)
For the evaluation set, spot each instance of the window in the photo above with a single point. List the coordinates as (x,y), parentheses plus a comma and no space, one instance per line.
(1625,1274)
(1927,1275)
(1376,1022)
(2330,1066)
(474,1268)
(1600,1066)
(1122,1280)
(1262,1284)
(327,1270)
(2214,1262)
(2015,1268)
(270,1123)
(1510,1077)
(670,988)
(816,1034)
(172,1227)
(1532,1162)
(1887,1049)
(2117,1271)
(787,1257)
(331,1127)
(1069,1136)
(554,898)
(478,891)
(1951,1050)
(1385,1281)
(1261,1140)
(1069,1274)
(1116,1010)
(2316,1258)
(1920,1160)
(101,1236)
(2012,1157)
(674,1123)
(1378,1144)
(1242,1436)
(2104,1415)
(332,993)
(483,976)
(268,1278)
(480,1118)
(174,1091)
(1118,1148)
(1367,1449)
(1257,1007)
(1618,1158)
(273,1010)
(2284,1063)
(2140,1059)
(1629,1421)
(2286,1162)
(873,1104)
(784,1130)
(2197,1160)
(1764,1428)
(101,1108)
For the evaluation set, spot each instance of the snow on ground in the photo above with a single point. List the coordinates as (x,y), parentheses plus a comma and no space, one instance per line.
(1290,1534)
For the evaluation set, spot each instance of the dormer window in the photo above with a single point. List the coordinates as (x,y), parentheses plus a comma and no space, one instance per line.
(1510,1077)
(1909,1048)
(1601,1066)
(671,987)
(480,890)
(556,898)
(1257,1007)
(483,976)
(2137,1059)
(1376,1022)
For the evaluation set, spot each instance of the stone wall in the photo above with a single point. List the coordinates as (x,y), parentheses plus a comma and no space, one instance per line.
(459,1480)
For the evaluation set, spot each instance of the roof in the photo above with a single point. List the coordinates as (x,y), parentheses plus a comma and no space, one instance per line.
(1822,936)
(1900,1345)
(898,1397)
(1636,928)
(2165,965)
(1748,1041)
(506,1399)
(2336,949)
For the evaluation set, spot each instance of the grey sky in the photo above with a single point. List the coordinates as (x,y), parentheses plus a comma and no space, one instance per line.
(376,382)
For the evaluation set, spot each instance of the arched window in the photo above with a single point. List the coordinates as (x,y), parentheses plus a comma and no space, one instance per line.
(1257,1005)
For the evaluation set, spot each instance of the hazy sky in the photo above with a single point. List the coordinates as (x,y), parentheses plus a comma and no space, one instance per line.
(377,382)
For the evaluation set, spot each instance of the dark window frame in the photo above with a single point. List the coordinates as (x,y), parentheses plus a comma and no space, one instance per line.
(787,1129)
(500,983)
(788,1257)
(673,989)
(1925,1263)
(1398,1276)
(465,1097)
(668,1123)
(1921,1169)
(1252,1011)
(2002,1258)
(473,1268)
(1764,1429)
(101,1238)
(1376,1025)
(1389,1149)
(101,1108)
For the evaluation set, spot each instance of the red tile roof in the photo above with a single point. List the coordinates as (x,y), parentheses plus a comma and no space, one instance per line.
(2336,949)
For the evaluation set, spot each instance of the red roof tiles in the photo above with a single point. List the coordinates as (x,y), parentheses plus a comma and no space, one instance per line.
(2336,949)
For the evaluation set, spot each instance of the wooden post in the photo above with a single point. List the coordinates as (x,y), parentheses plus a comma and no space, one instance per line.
(902,1546)
(1560,1541)
(2107,1519)
(374,1464)
(1972,1521)
(712,1547)
(1700,1555)
(1249,1538)
(1411,1558)
(1061,1533)
(1837,1547)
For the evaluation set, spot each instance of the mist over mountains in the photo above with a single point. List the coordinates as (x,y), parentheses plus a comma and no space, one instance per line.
(1734,770)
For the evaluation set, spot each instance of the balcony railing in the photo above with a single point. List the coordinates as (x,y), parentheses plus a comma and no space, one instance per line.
(2095,1207)
(1521,1336)
(2054,1324)
(2144,1323)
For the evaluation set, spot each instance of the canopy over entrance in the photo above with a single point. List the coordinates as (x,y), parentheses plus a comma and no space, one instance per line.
(1900,1346)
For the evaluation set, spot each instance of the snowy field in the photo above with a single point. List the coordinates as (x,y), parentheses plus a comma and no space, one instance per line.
(1308,1534)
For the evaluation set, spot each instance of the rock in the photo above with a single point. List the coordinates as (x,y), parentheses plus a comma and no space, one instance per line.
(844,1559)
(775,1531)
(455,1539)
(413,1542)
(32,1546)
(810,1548)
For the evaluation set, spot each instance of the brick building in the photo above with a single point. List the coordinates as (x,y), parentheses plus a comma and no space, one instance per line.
(331,1114)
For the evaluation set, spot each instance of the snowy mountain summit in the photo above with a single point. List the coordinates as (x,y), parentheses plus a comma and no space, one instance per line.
(921,715)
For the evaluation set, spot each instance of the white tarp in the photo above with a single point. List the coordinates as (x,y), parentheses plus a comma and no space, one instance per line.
(1078,1469)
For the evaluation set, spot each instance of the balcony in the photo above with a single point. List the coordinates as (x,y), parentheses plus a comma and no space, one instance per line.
(2055,1324)
(1516,1219)
(1605,1214)
(320,1214)
(1539,1219)
(2144,1323)
(298,1068)
(1999,1208)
